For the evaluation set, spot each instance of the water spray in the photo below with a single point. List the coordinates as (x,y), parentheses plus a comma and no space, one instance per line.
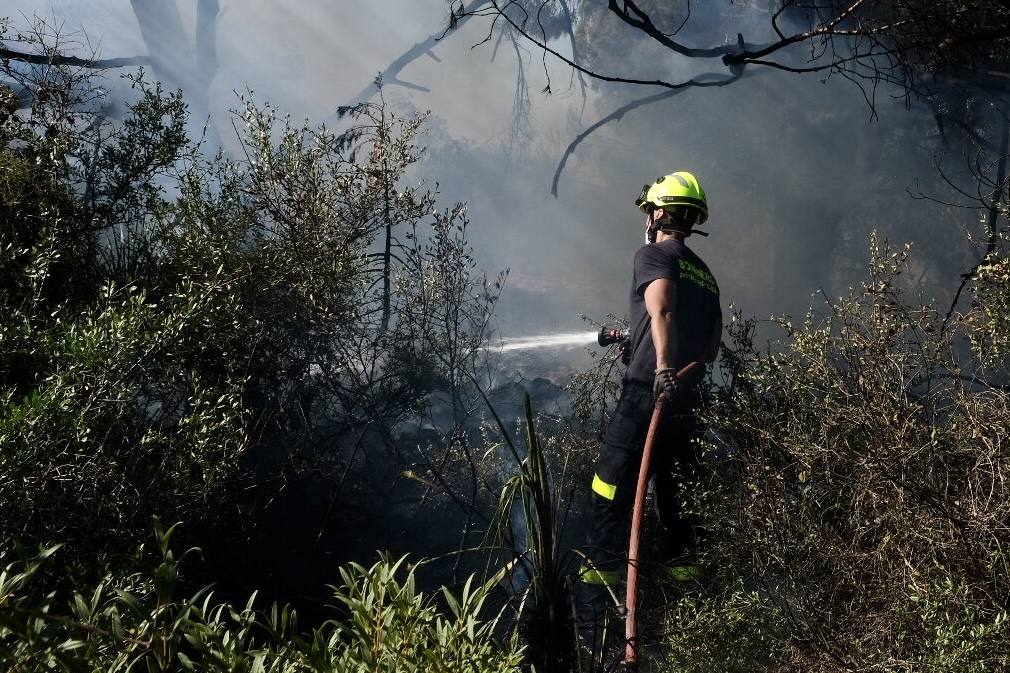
(608,335)
(550,341)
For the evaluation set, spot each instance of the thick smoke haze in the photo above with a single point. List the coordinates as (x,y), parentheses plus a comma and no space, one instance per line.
(796,172)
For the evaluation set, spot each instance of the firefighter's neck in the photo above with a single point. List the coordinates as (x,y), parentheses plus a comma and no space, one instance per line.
(668,235)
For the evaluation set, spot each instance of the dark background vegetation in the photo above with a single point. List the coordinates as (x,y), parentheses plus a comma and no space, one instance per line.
(283,340)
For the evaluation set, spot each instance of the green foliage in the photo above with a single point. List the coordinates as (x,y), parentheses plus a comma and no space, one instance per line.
(173,326)
(37,210)
(731,631)
(990,323)
(861,481)
(342,270)
(102,423)
(444,305)
(137,622)
(534,493)
(88,450)
(595,390)
(169,319)
(391,627)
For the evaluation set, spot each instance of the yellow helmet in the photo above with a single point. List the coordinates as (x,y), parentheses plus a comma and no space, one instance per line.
(676,189)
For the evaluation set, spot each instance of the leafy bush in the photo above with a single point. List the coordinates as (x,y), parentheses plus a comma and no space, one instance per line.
(102,423)
(136,621)
(862,481)
(173,324)
(94,446)
(731,630)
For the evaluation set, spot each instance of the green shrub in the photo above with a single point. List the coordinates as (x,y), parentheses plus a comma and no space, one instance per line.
(134,621)
(731,631)
(110,427)
(861,480)
(173,325)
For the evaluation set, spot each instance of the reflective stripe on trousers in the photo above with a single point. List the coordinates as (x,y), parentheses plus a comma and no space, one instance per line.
(603,489)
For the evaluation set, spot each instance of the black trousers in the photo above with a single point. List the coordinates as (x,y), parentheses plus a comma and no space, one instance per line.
(675,461)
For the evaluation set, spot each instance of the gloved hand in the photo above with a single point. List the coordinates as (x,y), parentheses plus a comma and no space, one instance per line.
(665,382)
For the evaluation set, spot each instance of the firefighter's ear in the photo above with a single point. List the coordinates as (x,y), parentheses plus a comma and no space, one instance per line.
(652,217)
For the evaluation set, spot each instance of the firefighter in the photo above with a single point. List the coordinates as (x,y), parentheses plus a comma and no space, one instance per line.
(675,319)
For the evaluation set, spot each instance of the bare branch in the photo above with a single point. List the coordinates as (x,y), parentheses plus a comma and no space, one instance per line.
(642,22)
(578,67)
(73,61)
(390,75)
(619,113)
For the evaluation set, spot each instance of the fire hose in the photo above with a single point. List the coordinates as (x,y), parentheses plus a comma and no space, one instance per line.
(631,601)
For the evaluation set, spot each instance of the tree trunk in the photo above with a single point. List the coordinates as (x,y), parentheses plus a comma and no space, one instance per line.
(175,63)
(205,67)
(161,28)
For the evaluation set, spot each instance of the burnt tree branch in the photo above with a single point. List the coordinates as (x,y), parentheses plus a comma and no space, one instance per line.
(73,61)
(619,113)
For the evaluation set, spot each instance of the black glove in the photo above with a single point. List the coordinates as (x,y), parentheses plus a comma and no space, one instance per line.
(666,382)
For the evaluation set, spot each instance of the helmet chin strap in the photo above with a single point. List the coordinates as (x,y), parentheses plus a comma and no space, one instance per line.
(652,229)
(650,233)
(656,227)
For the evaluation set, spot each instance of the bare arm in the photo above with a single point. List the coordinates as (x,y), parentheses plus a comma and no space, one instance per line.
(661,303)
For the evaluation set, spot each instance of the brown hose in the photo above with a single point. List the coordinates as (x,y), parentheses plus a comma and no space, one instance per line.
(631,601)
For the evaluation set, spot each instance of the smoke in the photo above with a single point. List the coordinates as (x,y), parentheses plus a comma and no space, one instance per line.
(796,171)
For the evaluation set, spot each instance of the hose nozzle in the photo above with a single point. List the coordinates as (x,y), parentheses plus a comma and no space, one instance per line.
(610,334)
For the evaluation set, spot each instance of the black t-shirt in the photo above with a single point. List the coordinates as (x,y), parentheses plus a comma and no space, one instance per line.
(695,315)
